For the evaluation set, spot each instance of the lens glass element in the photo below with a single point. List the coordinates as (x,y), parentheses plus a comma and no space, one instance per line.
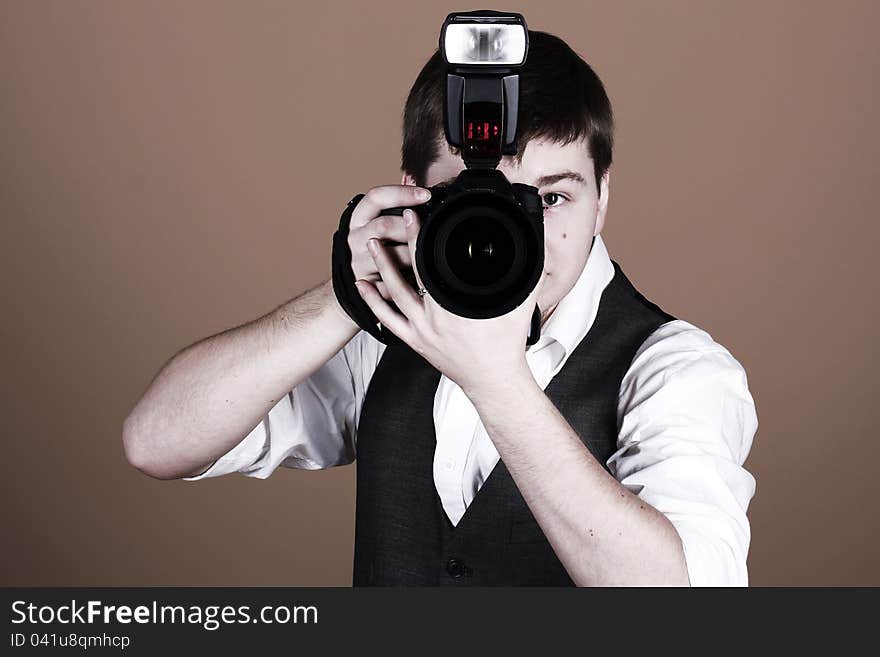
(479,250)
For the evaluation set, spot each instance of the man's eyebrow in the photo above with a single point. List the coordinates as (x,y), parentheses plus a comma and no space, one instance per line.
(562,175)
(543,180)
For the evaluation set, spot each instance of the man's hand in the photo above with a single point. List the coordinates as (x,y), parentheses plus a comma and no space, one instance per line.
(367,222)
(472,352)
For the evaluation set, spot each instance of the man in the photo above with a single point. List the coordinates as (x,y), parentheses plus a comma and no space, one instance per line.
(608,453)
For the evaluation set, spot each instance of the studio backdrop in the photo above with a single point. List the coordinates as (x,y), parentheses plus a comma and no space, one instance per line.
(169,170)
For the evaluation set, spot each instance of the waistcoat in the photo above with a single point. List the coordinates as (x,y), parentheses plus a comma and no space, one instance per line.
(402,534)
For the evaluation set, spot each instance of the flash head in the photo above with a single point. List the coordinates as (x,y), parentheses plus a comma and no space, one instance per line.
(484,38)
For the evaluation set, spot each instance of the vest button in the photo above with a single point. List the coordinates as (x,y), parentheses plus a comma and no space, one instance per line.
(457,568)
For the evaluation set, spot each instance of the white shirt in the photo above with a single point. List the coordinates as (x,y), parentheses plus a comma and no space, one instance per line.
(686,422)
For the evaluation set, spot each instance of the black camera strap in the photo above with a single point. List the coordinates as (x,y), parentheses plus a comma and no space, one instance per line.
(343,281)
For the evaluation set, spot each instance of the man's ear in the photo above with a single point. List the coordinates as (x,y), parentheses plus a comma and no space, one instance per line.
(407,179)
(604,191)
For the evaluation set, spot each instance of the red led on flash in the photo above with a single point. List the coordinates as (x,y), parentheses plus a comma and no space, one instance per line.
(485,131)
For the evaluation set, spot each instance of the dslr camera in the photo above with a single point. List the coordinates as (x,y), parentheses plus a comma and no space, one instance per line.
(480,249)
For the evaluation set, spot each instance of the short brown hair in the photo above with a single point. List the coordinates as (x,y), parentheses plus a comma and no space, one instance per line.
(561,99)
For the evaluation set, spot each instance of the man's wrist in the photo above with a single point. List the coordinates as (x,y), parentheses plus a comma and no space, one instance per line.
(334,309)
(517,378)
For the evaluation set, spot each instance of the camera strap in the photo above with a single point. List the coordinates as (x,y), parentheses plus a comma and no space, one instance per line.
(343,281)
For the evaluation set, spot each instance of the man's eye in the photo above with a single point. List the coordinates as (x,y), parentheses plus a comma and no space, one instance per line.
(553,199)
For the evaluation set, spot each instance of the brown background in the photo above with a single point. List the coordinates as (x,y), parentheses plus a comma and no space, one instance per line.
(169,170)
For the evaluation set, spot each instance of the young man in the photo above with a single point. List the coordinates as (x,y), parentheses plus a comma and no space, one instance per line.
(608,453)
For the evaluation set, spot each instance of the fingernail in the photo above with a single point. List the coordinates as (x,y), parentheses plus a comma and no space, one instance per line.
(359,287)
(372,246)
(408,217)
(423,194)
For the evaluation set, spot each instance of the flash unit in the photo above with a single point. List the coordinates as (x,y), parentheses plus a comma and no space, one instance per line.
(483,51)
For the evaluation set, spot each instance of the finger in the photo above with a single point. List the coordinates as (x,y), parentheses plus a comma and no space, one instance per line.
(412,225)
(401,255)
(383,289)
(394,321)
(401,292)
(363,265)
(386,196)
(387,227)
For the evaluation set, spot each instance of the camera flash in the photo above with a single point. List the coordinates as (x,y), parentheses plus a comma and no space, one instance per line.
(493,44)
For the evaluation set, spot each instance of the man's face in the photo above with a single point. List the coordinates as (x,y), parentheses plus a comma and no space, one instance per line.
(574,210)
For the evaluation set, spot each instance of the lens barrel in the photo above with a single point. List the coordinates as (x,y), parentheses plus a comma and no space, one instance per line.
(480,250)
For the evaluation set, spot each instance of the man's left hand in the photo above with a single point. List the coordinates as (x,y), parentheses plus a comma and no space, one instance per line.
(472,352)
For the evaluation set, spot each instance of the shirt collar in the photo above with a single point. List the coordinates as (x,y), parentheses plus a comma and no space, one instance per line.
(576,311)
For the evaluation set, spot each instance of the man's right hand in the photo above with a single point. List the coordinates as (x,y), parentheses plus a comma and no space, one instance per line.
(368,222)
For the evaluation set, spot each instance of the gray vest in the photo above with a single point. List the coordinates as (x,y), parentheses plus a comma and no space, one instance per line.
(402,534)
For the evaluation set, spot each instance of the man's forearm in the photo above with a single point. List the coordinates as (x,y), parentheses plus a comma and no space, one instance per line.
(208,397)
(603,534)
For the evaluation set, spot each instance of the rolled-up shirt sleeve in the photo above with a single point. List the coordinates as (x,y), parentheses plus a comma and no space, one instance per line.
(313,426)
(687,421)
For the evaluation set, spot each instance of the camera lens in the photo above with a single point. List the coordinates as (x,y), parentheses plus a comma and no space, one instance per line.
(479,250)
